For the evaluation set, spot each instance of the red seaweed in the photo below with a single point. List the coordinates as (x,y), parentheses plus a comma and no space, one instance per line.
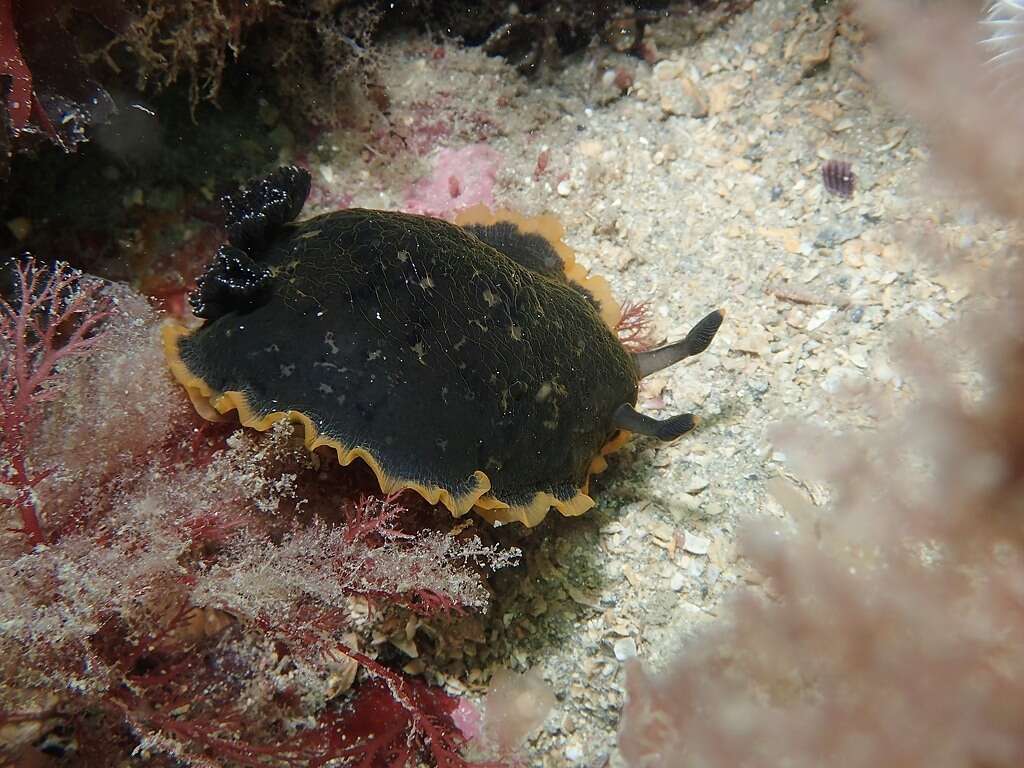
(53,316)
(20,98)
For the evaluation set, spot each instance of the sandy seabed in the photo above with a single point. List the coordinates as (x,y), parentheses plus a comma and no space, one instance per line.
(698,185)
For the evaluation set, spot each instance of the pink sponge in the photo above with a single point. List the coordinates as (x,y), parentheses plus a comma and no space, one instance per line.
(461,178)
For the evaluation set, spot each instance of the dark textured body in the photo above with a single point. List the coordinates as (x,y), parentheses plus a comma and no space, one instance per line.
(440,355)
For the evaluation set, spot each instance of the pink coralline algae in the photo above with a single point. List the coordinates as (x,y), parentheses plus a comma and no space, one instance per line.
(461,178)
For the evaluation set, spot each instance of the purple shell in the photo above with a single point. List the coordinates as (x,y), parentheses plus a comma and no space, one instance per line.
(839,177)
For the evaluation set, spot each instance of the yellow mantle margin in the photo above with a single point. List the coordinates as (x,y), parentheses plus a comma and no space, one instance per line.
(213,405)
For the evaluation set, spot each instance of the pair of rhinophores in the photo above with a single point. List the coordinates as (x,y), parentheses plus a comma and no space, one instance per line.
(474,363)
